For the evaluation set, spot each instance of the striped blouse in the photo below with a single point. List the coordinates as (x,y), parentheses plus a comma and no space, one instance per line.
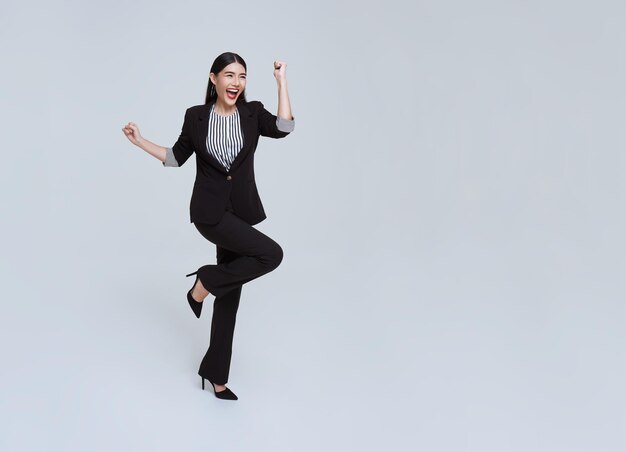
(225,137)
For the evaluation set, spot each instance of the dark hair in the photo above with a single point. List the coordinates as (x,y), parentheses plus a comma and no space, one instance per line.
(220,63)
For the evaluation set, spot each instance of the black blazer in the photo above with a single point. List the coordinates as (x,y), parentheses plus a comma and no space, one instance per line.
(214,184)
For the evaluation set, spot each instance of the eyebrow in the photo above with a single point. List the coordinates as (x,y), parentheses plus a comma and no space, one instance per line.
(231,72)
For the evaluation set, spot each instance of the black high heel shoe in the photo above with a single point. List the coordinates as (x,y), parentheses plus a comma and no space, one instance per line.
(226,394)
(196,306)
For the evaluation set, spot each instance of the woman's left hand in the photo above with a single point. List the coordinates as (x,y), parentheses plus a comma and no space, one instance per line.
(279,70)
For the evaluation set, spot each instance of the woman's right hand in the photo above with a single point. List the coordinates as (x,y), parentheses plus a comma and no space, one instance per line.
(132,133)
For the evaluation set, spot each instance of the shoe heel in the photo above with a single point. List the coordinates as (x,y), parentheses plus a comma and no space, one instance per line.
(195,306)
(225,394)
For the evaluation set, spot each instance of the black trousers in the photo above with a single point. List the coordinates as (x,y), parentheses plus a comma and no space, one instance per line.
(243,254)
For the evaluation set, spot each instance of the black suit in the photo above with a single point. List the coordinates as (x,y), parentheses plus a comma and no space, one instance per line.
(215,185)
(225,205)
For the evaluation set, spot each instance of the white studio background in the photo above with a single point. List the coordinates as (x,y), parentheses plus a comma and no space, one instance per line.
(450,204)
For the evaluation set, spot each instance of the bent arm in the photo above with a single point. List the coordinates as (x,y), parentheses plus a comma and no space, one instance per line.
(281,125)
(274,126)
(178,154)
(277,126)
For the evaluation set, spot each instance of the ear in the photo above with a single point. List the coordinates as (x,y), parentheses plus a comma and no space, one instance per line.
(213,78)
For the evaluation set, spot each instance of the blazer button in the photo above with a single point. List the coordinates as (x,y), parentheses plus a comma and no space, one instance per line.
(228,178)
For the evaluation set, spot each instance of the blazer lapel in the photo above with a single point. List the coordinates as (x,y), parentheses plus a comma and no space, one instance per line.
(247,128)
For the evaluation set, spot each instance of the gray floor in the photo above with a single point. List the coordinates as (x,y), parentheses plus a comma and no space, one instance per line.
(437,354)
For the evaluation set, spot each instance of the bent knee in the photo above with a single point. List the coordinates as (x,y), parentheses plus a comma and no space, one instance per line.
(274,255)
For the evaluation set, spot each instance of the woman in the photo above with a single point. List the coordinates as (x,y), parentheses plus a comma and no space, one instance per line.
(225,204)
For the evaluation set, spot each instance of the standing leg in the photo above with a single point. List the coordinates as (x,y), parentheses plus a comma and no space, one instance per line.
(215,365)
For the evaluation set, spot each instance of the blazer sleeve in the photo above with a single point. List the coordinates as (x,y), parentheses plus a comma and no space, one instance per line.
(274,126)
(178,154)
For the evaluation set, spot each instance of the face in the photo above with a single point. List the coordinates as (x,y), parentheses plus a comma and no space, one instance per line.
(231,78)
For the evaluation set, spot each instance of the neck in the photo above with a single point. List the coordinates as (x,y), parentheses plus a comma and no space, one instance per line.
(223,109)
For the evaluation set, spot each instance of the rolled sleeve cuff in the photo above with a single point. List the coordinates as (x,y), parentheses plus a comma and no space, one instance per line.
(169,158)
(285,125)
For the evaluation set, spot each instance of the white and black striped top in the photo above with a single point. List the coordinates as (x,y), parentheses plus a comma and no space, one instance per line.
(225,137)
